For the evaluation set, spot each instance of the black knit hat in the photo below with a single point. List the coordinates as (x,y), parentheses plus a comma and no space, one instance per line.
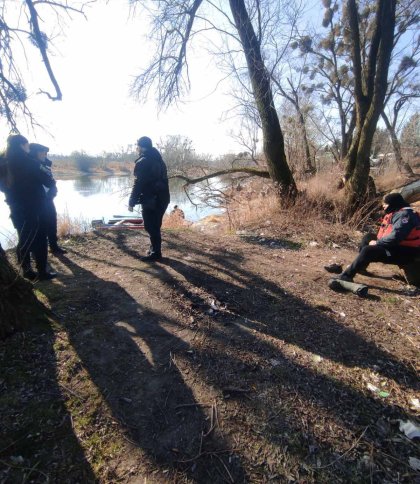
(395,201)
(35,148)
(15,140)
(145,142)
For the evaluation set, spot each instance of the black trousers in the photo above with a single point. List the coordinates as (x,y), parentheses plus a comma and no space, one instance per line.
(152,223)
(51,220)
(32,233)
(398,255)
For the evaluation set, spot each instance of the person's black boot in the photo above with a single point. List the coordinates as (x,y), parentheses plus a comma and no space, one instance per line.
(30,275)
(46,276)
(334,268)
(345,277)
(57,250)
(154,256)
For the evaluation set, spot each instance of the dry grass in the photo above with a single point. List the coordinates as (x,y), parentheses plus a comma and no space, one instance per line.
(319,204)
(174,221)
(67,226)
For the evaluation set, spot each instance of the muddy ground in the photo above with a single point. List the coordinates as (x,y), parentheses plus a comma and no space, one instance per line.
(229,361)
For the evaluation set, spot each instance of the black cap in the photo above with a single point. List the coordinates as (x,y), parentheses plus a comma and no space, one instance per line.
(37,148)
(145,142)
(395,201)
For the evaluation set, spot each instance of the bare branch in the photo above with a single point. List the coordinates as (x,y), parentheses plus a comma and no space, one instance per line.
(229,171)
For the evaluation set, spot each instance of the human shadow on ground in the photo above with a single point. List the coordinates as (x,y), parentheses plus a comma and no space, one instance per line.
(129,353)
(285,316)
(38,443)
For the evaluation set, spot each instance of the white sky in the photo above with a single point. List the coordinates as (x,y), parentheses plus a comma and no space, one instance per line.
(94,64)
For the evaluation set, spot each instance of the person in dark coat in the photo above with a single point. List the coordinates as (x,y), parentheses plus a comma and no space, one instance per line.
(25,195)
(397,241)
(151,190)
(40,153)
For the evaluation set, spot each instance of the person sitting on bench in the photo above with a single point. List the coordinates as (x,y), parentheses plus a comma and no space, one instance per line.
(397,241)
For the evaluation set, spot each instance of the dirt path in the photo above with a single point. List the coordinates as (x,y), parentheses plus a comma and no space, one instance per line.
(229,361)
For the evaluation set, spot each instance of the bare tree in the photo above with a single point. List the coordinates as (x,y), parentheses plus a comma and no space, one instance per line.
(293,90)
(370,67)
(20,25)
(329,76)
(403,86)
(176,24)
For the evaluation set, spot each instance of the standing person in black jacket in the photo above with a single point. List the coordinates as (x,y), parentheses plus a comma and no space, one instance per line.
(40,153)
(151,190)
(25,195)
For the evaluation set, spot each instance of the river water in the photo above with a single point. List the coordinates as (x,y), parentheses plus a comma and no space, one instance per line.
(87,197)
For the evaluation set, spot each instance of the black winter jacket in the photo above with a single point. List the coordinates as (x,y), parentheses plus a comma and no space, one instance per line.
(151,179)
(26,179)
(403,222)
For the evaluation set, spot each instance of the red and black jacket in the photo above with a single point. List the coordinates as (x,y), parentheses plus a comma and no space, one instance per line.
(401,227)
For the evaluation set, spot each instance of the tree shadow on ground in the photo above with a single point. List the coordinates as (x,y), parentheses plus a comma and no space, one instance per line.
(266,307)
(38,443)
(129,351)
(284,404)
(311,331)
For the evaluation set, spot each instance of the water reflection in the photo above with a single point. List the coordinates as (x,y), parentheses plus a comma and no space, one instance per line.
(89,198)
(88,185)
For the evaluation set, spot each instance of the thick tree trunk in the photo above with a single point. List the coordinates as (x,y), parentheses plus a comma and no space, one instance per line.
(370,80)
(402,165)
(273,143)
(19,308)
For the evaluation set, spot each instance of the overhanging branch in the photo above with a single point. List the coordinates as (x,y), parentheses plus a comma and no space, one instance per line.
(229,171)
(42,48)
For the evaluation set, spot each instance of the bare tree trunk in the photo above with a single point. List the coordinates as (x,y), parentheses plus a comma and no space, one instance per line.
(273,143)
(19,308)
(402,165)
(370,86)
(310,168)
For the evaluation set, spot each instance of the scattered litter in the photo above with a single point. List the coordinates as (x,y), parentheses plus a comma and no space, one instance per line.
(317,359)
(126,400)
(343,315)
(214,305)
(377,390)
(275,362)
(335,246)
(313,244)
(414,463)
(410,429)
(415,403)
